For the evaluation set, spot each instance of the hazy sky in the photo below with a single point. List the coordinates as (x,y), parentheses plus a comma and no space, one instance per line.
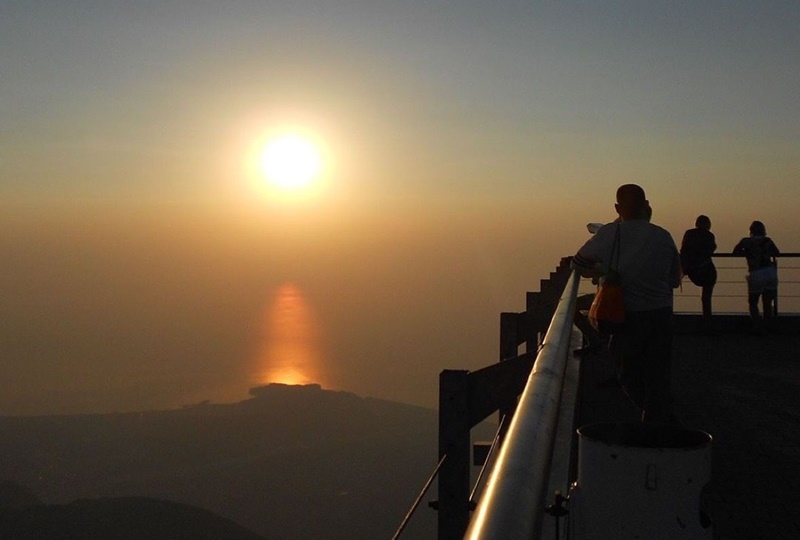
(464,146)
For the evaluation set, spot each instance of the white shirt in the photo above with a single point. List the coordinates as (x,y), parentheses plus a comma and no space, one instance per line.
(649,263)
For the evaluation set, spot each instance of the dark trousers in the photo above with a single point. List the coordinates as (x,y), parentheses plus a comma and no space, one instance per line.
(705,298)
(642,355)
(705,277)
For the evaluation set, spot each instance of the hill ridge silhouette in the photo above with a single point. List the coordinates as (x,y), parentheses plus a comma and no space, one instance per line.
(289,462)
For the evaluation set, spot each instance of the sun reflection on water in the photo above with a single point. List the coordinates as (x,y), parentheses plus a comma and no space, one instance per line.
(289,353)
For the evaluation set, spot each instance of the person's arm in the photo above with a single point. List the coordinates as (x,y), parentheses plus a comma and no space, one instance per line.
(739,248)
(773,249)
(588,261)
(586,267)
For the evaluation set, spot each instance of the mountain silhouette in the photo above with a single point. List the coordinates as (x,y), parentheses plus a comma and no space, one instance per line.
(290,462)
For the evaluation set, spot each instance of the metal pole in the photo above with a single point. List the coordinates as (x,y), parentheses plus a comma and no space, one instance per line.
(418,499)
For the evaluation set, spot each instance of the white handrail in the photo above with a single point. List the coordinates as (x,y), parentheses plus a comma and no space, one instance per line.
(512,507)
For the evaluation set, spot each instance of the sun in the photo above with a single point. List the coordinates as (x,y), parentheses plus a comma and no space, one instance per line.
(290,162)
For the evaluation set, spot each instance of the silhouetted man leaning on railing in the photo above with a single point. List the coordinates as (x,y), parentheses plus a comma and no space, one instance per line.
(648,263)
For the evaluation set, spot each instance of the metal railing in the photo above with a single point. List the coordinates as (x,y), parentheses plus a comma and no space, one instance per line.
(476,489)
(418,500)
(730,292)
(469,397)
(513,500)
(513,504)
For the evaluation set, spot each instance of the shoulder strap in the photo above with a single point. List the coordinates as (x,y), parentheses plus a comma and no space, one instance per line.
(615,249)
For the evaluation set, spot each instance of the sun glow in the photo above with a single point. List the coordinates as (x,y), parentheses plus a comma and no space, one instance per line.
(290,162)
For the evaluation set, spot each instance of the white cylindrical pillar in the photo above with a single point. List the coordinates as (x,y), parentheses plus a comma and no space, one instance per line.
(640,481)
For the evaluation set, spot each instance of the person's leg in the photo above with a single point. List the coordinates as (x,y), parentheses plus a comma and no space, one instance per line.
(707,293)
(752,302)
(757,281)
(657,372)
(769,298)
(626,350)
(705,300)
(592,340)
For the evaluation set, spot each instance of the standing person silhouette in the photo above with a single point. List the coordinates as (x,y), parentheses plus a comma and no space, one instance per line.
(762,277)
(697,246)
(649,267)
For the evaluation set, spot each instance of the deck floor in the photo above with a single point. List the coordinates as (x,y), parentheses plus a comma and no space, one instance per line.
(744,390)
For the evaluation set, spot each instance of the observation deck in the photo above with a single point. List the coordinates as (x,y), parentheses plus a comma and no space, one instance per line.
(744,390)
(741,388)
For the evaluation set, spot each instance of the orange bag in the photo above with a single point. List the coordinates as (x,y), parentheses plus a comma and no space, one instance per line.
(607,312)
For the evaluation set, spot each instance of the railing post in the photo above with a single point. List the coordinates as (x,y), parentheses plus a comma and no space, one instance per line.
(509,347)
(509,339)
(454,442)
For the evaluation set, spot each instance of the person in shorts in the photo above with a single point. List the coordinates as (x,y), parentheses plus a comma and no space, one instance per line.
(762,277)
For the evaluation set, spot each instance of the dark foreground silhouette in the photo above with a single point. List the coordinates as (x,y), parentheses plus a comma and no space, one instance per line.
(124,518)
(291,462)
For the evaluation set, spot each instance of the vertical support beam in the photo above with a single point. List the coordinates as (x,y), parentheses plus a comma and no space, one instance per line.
(538,317)
(775,302)
(454,441)
(509,348)
(509,338)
